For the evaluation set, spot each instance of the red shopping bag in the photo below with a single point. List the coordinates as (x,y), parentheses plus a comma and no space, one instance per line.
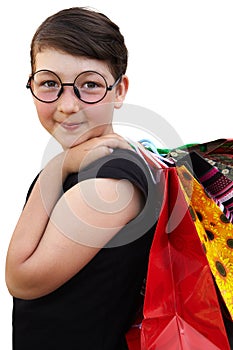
(181,308)
(133,338)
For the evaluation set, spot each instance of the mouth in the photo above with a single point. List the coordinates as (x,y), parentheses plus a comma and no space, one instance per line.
(69,126)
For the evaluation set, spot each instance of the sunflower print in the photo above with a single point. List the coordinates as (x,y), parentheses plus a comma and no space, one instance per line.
(215,232)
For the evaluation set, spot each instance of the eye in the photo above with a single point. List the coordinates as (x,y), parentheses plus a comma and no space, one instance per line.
(46,80)
(90,85)
(49,84)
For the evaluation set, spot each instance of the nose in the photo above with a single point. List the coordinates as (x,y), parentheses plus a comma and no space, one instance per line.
(68,102)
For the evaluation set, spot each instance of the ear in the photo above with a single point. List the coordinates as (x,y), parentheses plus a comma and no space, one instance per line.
(121,91)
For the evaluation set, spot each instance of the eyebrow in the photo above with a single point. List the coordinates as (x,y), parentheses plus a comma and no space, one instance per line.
(60,74)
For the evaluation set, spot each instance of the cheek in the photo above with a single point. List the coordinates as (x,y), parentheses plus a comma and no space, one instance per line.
(44,111)
(100,114)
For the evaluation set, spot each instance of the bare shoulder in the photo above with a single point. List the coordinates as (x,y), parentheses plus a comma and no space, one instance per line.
(102,204)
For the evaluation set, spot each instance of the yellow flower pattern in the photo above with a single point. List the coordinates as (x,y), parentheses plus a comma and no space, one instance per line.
(215,232)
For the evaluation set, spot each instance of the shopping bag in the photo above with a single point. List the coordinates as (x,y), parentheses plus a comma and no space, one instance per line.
(216,183)
(181,308)
(215,232)
(218,153)
(133,336)
(222,153)
(220,150)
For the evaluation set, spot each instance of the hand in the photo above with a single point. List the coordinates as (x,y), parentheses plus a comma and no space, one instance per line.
(78,157)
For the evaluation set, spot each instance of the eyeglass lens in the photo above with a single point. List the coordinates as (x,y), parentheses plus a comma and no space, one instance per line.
(47,86)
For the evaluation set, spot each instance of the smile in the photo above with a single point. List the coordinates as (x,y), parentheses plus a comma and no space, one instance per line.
(71,126)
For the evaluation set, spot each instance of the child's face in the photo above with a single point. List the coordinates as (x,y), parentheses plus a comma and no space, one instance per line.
(68,119)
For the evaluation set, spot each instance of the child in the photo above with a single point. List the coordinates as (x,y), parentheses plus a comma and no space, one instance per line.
(78,255)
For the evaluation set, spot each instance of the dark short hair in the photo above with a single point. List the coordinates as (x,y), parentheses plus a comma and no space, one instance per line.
(80,31)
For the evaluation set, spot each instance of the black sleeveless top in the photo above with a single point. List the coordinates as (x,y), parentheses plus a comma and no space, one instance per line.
(96,307)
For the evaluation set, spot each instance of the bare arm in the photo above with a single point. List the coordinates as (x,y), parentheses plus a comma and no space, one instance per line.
(44,253)
(67,245)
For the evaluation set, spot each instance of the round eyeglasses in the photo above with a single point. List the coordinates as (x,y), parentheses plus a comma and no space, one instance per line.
(89,86)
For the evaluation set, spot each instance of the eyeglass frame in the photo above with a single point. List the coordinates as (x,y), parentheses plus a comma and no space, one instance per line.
(76,91)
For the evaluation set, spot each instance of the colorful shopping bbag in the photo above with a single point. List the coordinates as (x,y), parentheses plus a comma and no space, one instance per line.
(216,183)
(217,150)
(181,308)
(215,232)
(219,153)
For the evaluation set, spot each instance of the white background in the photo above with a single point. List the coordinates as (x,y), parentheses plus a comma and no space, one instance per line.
(180,66)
